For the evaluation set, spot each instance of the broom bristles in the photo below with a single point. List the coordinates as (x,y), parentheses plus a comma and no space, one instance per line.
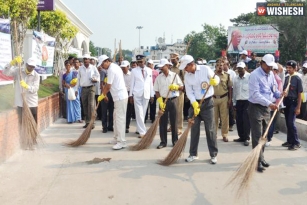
(29,129)
(84,136)
(241,179)
(146,141)
(177,150)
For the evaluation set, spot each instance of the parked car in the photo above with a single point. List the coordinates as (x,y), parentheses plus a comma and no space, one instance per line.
(211,64)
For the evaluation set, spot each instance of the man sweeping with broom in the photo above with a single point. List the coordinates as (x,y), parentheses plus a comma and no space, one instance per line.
(116,86)
(165,82)
(262,89)
(29,85)
(197,80)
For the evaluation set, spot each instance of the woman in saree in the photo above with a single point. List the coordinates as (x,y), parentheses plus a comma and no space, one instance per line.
(73,107)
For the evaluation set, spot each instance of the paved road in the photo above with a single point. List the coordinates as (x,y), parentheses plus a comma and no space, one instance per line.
(58,175)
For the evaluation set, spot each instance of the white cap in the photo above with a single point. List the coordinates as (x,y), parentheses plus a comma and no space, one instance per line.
(163,62)
(275,66)
(133,59)
(101,59)
(150,61)
(86,56)
(199,62)
(185,60)
(31,61)
(244,52)
(94,58)
(204,62)
(305,65)
(269,59)
(241,65)
(124,64)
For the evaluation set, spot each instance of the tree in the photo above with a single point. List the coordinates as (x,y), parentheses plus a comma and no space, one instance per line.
(57,25)
(127,55)
(208,43)
(93,49)
(20,12)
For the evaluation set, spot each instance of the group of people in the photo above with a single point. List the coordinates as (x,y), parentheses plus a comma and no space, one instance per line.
(245,93)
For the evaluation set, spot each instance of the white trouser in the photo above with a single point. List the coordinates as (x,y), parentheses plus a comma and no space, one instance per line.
(119,117)
(140,106)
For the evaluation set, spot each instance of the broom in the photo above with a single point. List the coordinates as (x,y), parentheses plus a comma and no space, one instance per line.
(29,129)
(146,141)
(242,177)
(86,133)
(177,150)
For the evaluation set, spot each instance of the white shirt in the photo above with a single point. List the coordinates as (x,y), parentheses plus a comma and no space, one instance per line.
(141,86)
(85,76)
(127,78)
(33,82)
(193,82)
(116,79)
(232,74)
(163,82)
(304,82)
(240,88)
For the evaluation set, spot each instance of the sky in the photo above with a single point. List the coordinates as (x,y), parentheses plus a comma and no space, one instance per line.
(118,19)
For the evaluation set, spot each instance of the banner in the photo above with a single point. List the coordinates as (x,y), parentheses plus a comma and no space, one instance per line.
(43,50)
(45,5)
(5,49)
(259,39)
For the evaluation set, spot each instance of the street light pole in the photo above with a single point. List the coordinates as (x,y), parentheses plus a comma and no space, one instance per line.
(139,27)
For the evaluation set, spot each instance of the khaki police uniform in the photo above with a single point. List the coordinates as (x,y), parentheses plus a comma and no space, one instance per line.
(221,102)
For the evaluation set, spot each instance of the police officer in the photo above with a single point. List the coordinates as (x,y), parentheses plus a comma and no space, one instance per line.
(222,99)
(292,101)
(197,79)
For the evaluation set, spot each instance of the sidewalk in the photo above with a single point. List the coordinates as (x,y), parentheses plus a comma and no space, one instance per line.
(59,175)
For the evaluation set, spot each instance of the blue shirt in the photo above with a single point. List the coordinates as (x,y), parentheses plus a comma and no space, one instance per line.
(262,87)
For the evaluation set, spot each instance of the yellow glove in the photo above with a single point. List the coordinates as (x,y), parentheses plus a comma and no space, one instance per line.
(74,81)
(18,59)
(161,103)
(213,82)
(105,80)
(173,87)
(24,84)
(101,97)
(13,62)
(196,108)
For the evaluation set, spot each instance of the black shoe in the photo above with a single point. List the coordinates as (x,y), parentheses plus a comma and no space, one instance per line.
(137,133)
(286,144)
(104,130)
(238,140)
(293,147)
(174,143)
(264,163)
(230,129)
(161,146)
(260,168)
(127,130)
(276,132)
(152,121)
(185,118)
(93,126)
(246,143)
(110,129)
(85,126)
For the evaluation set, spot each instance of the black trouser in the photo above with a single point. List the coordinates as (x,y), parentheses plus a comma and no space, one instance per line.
(105,107)
(33,111)
(171,112)
(128,114)
(152,110)
(88,102)
(292,136)
(231,118)
(98,111)
(303,112)
(186,106)
(259,117)
(207,115)
(242,118)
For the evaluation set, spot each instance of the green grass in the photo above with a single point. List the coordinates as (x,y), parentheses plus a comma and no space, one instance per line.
(47,88)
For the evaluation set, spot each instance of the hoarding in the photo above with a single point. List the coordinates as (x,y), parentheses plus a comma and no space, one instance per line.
(45,5)
(259,39)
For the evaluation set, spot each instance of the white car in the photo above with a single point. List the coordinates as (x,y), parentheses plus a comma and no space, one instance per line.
(211,64)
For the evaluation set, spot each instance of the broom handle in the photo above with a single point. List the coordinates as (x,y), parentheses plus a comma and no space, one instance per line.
(272,118)
(169,89)
(17,52)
